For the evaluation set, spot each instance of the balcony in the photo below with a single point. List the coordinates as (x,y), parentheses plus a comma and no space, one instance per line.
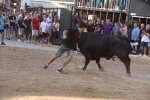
(56,1)
(99,5)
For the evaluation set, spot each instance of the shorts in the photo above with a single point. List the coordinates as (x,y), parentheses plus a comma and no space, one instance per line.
(105,1)
(134,43)
(82,0)
(45,34)
(50,32)
(2,30)
(91,1)
(13,28)
(144,44)
(27,31)
(35,32)
(20,31)
(62,49)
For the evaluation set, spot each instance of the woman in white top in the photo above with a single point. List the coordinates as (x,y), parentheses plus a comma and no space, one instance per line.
(145,40)
(44,32)
(54,30)
(57,30)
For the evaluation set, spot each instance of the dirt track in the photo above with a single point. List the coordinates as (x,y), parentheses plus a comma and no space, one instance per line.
(22,78)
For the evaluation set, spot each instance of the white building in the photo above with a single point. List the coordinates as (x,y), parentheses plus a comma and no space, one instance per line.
(47,3)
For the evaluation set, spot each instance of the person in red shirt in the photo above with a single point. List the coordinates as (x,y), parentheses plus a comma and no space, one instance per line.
(35,27)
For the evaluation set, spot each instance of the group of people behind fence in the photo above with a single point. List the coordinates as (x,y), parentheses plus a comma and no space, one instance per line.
(104,4)
(139,37)
(31,26)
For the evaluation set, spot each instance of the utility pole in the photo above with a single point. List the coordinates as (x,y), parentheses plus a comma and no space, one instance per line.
(128,17)
(74,13)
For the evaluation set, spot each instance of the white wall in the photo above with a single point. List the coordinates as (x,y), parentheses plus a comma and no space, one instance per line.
(23,3)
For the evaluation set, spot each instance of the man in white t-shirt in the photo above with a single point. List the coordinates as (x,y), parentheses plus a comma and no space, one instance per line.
(44,31)
(145,39)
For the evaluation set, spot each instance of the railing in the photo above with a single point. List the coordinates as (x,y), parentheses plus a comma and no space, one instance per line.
(99,4)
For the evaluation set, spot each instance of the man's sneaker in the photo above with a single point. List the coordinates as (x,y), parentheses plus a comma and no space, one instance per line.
(41,45)
(59,70)
(19,40)
(49,44)
(45,67)
(2,43)
(140,55)
(144,55)
(28,41)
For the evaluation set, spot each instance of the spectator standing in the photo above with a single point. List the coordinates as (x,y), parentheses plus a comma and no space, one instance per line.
(27,29)
(54,30)
(135,37)
(145,40)
(57,25)
(7,26)
(21,26)
(35,23)
(140,37)
(77,24)
(49,21)
(13,27)
(2,22)
(98,26)
(90,26)
(107,28)
(44,31)
(122,29)
(116,29)
(86,22)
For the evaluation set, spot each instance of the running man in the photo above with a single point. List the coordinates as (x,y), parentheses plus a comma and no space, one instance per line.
(2,22)
(69,44)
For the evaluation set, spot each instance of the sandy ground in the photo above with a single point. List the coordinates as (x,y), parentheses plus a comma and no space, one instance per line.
(22,78)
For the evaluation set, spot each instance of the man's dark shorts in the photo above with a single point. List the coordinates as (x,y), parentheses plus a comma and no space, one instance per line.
(13,28)
(45,34)
(1,30)
(27,31)
(144,44)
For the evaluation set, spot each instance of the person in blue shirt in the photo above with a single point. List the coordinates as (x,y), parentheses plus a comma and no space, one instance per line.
(116,29)
(2,23)
(135,36)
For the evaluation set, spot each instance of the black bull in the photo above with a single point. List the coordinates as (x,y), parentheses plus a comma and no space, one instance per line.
(95,46)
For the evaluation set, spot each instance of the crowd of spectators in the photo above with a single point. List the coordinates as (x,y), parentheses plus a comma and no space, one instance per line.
(30,27)
(139,36)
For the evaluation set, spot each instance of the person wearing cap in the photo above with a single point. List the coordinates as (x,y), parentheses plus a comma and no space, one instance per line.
(69,44)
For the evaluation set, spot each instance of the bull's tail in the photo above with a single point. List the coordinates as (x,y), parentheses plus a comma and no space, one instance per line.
(132,49)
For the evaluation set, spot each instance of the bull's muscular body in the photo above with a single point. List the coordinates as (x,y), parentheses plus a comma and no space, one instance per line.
(95,46)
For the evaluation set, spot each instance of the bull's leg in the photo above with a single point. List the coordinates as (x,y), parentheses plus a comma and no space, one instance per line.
(99,66)
(127,64)
(87,60)
(126,61)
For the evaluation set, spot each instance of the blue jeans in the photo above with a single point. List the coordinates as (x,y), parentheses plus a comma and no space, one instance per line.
(97,3)
(13,28)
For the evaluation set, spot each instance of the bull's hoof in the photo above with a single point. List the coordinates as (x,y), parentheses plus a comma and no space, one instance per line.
(129,74)
(83,69)
(102,69)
